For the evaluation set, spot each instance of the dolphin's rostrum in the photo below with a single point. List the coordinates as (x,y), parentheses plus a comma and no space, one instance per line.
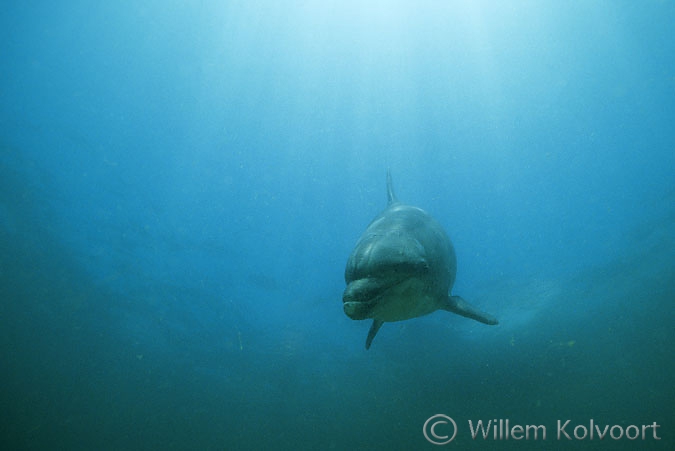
(402,267)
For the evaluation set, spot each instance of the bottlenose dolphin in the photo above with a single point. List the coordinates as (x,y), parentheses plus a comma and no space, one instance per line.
(402,267)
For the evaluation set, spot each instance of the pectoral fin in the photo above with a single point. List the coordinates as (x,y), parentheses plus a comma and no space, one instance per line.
(373,331)
(459,306)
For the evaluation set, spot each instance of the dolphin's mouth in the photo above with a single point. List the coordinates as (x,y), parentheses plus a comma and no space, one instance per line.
(362,296)
(355,310)
(358,309)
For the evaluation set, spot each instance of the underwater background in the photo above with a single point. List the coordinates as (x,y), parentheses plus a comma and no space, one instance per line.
(181,183)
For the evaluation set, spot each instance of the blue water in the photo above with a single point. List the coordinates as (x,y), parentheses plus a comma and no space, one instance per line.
(181,184)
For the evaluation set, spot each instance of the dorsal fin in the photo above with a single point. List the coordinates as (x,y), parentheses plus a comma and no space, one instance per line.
(391,197)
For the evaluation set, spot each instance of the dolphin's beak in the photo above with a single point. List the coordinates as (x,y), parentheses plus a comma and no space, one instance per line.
(356,310)
(357,301)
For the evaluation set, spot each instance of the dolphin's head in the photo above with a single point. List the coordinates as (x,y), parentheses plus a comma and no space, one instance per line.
(377,270)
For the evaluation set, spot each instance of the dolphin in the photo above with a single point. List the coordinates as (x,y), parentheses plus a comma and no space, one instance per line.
(402,267)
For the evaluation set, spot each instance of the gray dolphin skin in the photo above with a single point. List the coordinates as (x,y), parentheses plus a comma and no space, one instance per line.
(402,267)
